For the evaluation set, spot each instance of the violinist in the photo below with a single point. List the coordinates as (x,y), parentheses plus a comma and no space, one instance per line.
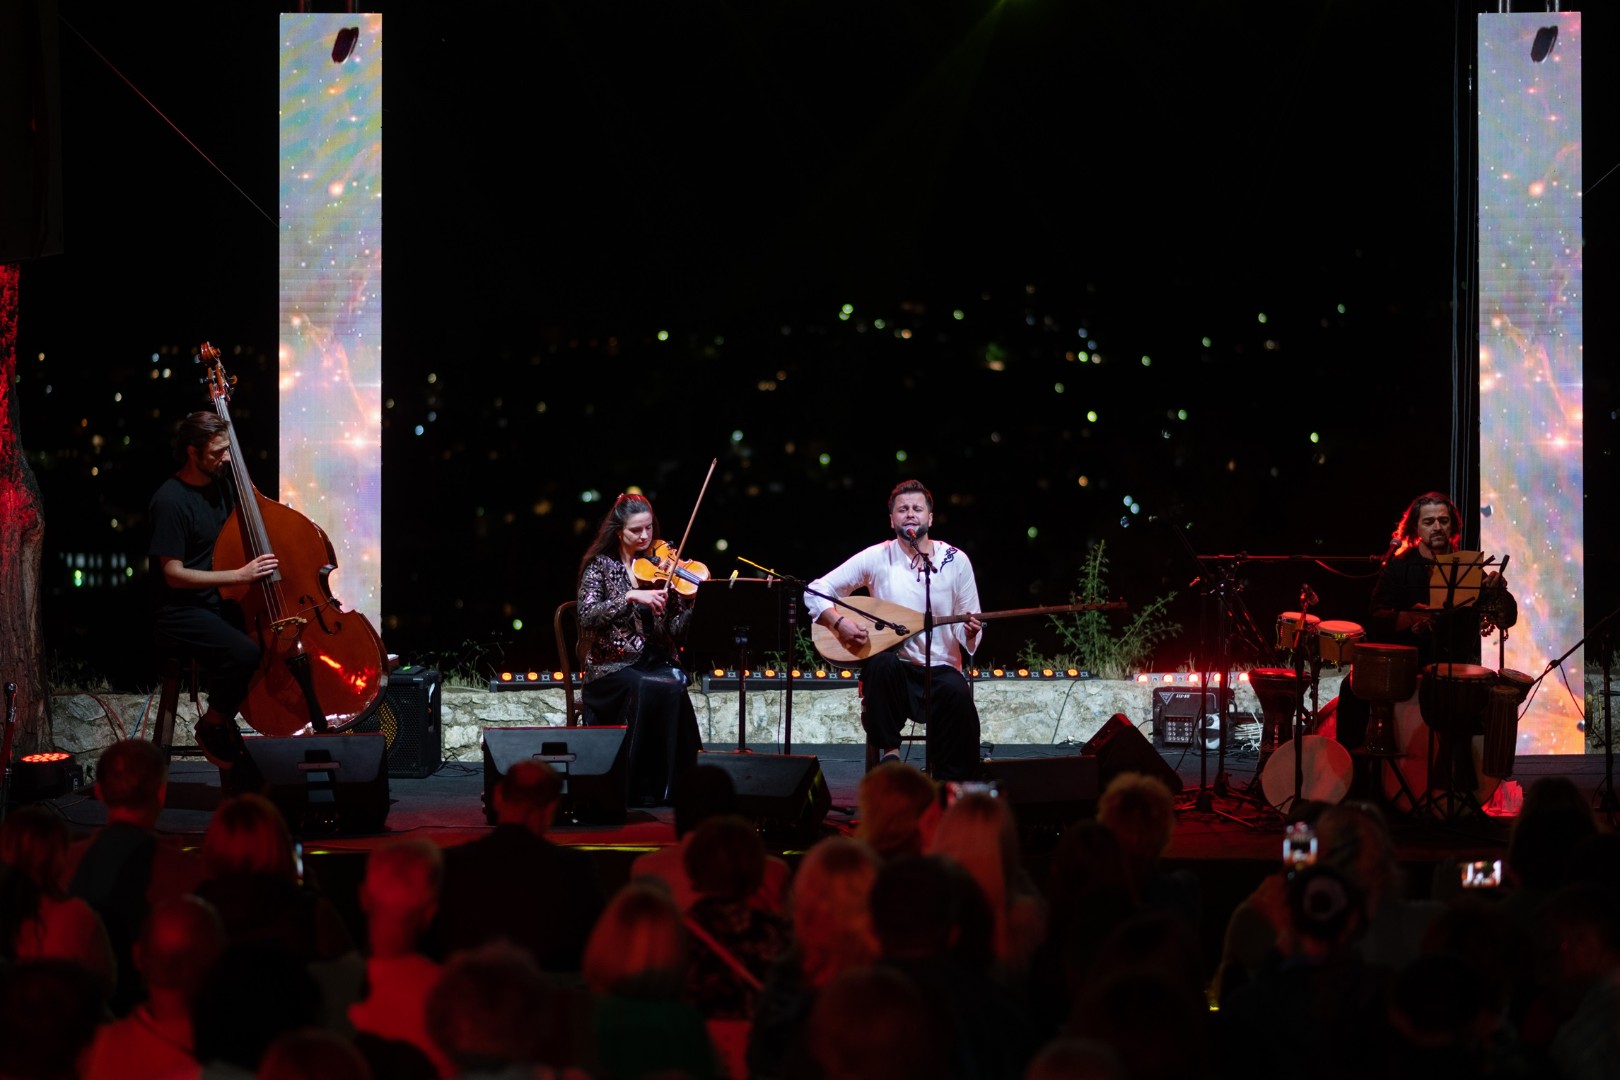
(629,627)
(189,616)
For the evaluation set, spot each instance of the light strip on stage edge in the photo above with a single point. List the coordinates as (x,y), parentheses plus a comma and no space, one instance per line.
(330,333)
(1530,355)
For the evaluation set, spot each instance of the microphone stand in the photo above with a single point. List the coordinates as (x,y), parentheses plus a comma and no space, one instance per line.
(928,653)
(5,750)
(787,674)
(1604,797)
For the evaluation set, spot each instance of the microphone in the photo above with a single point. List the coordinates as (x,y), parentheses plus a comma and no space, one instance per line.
(1307,596)
(913,533)
(731,582)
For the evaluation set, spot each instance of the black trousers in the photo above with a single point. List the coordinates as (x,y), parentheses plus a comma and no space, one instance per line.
(216,641)
(895,690)
(650,698)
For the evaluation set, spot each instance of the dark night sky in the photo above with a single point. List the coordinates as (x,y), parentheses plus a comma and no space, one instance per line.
(564,180)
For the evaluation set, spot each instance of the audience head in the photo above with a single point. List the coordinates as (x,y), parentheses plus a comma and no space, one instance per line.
(313,1054)
(528,795)
(402,877)
(705,791)
(872,1023)
(256,992)
(1326,909)
(1553,821)
(725,858)
(1088,863)
(1579,935)
(898,806)
(49,1011)
(977,832)
(1141,811)
(638,946)
(830,905)
(180,942)
(131,776)
(928,906)
(1354,838)
(33,842)
(485,1012)
(1076,1059)
(248,835)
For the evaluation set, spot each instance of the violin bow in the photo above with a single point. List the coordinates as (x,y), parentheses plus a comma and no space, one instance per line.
(682,545)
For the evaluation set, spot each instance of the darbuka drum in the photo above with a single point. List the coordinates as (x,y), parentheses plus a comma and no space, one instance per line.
(1337,641)
(1325,767)
(1453,697)
(1385,672)
(1277,690)
(1288,627)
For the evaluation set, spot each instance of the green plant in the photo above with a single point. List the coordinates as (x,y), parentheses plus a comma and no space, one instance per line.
(805,657)
(1090,641)
(67,674)
(471,664)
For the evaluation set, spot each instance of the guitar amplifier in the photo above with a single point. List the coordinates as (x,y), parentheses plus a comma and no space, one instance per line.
(1176,712)
(408,719)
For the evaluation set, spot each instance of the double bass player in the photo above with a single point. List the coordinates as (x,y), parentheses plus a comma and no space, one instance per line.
(189,617)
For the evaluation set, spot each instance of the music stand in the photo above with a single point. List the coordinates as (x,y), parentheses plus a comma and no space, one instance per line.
(1456,580)
(730,615)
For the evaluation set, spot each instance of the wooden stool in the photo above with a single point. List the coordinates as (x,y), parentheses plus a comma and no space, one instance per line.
(174,670)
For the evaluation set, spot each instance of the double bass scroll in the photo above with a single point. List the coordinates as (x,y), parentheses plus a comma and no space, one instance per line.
(323,668)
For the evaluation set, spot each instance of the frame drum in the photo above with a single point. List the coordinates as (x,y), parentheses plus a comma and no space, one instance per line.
(1327,769)
(1339,641)
(1288,626)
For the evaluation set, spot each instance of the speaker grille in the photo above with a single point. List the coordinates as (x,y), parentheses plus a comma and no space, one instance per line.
(408,719)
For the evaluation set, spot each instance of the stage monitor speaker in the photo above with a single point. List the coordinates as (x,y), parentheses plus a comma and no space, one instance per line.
(408,717)
(324,783)
(785,794)
(1119,747)
(1176,711)
(596,782)
(1045,793)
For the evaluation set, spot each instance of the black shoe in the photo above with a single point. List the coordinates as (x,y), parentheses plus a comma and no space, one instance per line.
(221,744)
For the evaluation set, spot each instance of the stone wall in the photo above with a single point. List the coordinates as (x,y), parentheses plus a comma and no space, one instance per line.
(1011,711)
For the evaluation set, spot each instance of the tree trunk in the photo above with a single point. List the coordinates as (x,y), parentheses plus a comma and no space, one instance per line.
(22,539)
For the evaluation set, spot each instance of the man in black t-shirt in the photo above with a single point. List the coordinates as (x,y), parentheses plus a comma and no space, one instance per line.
(189,616)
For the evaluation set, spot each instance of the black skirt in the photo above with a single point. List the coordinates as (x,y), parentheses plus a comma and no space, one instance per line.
(650,698)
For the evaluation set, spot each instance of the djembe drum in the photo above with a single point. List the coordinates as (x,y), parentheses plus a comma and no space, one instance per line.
(1382,675)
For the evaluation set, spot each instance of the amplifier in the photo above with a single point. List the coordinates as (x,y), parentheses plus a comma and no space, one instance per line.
(1177,711)
(409,720)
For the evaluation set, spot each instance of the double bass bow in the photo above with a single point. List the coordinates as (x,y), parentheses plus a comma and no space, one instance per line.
(323,669)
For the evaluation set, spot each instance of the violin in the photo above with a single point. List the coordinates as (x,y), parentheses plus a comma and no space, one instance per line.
(661,563)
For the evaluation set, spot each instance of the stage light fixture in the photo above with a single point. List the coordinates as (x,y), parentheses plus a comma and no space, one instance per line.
(41,777)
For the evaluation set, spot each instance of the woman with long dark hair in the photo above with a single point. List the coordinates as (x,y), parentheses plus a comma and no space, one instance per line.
(628,634)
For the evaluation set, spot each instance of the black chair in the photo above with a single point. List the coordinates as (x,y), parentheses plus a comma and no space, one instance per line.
(565,628)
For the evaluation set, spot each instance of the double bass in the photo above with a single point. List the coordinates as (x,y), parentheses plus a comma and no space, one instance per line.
(323,669)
